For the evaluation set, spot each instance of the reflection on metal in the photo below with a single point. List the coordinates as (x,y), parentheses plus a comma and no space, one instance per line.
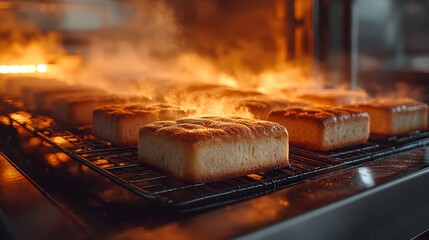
(21,117)
(366,177)
(8,175)
(284,203)
(56,159)
(427,154)
(59,140)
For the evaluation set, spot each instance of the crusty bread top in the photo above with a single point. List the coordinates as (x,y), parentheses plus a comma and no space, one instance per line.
(393,105)
(240,93)
(138,109)
(199,87)
(216,91)
(188,91)
(324,115)
(199,129)
(66,89)
(260,103)
(337,96)
(86,97)
(102,97)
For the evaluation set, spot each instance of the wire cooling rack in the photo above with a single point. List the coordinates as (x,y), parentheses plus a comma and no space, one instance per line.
(121,166)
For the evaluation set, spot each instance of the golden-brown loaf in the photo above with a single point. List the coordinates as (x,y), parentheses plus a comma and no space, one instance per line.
(260,107)
(120,124)
(13,85)
(28,94)
(210,148)
(77,110)
(202,93)
(395,116)
(44,98)
(323,128)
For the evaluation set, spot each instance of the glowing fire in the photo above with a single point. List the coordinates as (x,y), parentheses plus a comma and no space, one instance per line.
(29,68)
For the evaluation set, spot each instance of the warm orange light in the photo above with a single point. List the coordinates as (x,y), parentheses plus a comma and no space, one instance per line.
(4,120)
(59,140)
(5,5)
(21,117)
(9,174)
(284,203)
(228,81)
(28,68)
(55,159)
(42,68)
(255,176)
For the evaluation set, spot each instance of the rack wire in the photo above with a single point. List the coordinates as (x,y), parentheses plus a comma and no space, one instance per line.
(121,166)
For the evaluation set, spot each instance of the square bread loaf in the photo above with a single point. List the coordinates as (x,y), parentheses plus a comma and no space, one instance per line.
(28,94)
(332,97)
(44,99)
(323,128)
(395,116)
(77,110)
(189,92)
(120,124)
(13,85)
(260,107)
(202,149)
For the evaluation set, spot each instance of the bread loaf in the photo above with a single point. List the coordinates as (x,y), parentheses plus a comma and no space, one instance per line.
(395,116)
(323,128)
(208,148)
(120,124)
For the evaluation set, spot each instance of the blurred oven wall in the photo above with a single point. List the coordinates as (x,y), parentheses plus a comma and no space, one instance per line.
(75,20)
(390,53)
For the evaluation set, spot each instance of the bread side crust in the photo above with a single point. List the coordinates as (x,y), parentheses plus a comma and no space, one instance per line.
(120,124)
(323,129)
(78,111)
(212,155)
(260,107)
(395,116)
(333,97)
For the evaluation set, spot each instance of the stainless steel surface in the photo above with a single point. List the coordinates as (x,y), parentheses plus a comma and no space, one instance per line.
(393,210)
(27,213)
(111,212)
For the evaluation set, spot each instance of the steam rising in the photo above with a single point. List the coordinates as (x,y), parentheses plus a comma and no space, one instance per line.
(156,54)
(169,48)
(39,49)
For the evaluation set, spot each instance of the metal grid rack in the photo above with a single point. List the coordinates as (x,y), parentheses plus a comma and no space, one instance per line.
(120,165)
